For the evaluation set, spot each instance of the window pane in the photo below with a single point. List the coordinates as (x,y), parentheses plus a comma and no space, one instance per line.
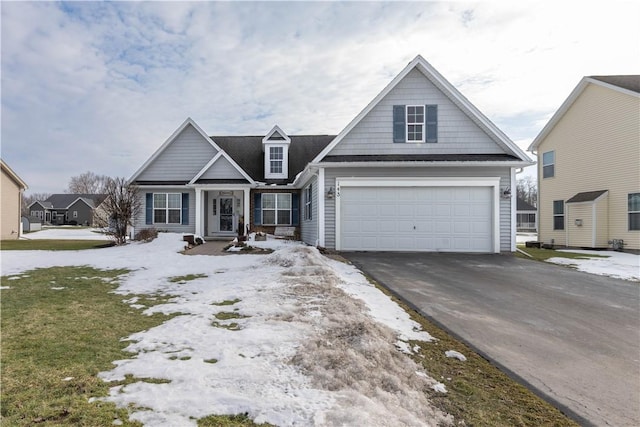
(160,216)
(160,200)
(634,221)
(548,158)
(175,200)
(634,202)
(268,201)
(284,217)
(174,216)
(268,217)
(558,207)
(548,171)
(276,166)
(276,153)
(558,222)
(284,201)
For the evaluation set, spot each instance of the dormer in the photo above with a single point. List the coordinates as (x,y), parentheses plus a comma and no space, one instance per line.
(276,154)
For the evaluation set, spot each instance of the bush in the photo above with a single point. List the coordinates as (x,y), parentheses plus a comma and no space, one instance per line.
(146,235)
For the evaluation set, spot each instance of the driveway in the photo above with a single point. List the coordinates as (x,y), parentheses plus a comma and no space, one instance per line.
(571,336)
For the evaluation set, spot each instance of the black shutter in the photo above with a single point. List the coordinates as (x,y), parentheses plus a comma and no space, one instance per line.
(185,208)
(431,116)
(149,208)
(295,209)
(257,208)
(399,123)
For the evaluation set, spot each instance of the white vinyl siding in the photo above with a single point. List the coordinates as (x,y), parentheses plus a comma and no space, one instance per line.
(222,169)
(140,220)
(309,227)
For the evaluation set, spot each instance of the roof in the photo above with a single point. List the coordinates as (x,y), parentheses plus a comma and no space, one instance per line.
(14,176)
(420,158)
(587,196)
(523,205)
(246,151)
(448,90)
(63,201)
(629,84)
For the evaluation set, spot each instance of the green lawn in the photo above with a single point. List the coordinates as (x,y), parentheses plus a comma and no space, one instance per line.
(52,245)
(61,326)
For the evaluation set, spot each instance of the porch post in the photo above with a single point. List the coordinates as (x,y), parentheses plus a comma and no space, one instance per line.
(247,210)
(199,225)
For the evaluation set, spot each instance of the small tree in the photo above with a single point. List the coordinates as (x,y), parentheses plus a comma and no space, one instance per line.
(28,199)
(88,183)
(119,209)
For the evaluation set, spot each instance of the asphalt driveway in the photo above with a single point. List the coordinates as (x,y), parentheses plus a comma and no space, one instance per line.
(571,336)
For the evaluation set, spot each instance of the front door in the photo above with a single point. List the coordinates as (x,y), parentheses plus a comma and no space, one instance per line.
(226,214)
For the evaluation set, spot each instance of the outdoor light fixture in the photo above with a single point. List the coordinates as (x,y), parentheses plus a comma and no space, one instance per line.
(506,193)
(331,193)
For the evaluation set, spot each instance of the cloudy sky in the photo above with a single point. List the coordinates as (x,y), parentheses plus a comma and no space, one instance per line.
(100,86)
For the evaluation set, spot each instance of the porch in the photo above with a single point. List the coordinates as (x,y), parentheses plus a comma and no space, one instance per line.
(222,212)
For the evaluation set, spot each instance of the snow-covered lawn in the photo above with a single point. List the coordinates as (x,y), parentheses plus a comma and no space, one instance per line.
(616,264)
(66,233)
(314,343)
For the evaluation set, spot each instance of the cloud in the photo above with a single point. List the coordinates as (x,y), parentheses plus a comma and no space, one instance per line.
(100,86)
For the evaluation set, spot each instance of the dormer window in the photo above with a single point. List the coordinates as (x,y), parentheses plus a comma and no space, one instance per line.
(276,154)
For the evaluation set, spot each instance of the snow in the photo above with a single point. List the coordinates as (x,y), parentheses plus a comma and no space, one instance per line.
(314,343)
(619,265)
(455,354)
(66,233)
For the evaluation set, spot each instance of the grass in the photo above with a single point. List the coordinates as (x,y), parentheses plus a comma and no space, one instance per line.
(53,245)
(55,341)
(545,254)
(186,278)
(478,393)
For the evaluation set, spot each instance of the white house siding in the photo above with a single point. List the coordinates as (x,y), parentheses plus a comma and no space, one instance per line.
(457,133)
(504,173)
(222,169)
(597,147)
(181,160)
(140,220)
(309,228)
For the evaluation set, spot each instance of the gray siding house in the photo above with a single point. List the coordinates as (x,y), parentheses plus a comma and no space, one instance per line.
(419,169)
(75,209)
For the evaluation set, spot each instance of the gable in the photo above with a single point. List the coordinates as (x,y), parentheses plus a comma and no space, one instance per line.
(181,159)
(457,133)
(221,170)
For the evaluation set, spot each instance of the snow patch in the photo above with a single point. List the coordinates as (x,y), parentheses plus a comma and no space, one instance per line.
(456,355)
(619,265)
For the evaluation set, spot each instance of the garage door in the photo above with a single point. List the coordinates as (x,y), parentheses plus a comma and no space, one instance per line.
(448,219)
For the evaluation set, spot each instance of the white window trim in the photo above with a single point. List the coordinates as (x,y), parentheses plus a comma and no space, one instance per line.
(267,160)
(563,215)
(166,209)
(275,209)
(629,212)
(550,164)
(423,123)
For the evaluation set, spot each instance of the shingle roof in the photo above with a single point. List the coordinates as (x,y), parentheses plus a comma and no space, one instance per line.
(523,205)
(587,196)
(62,201)
(246,151)
(629,82)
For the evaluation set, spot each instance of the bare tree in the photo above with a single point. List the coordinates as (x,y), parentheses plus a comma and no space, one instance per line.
(119,209)
(88,183)
(27,200)
(527,190)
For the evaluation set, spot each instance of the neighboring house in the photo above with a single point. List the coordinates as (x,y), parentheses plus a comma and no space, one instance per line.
(589,166)
(74,209)
(419,169)
(526,216)
(11,189)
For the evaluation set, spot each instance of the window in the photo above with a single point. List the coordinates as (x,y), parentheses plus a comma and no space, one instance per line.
(415,123)
(634,211)
(75,214)
(548,164)
(558,215)
(276,209)
(167,208)
(36,214)
(276,157)
(308,193)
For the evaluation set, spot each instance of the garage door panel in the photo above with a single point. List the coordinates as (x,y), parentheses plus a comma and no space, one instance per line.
(417,218)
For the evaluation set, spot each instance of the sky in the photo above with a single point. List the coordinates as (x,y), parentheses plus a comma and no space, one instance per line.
(89,86)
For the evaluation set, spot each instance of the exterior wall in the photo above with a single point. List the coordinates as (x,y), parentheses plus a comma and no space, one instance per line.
(85,213)
(602,223)
(504,173)
(457,133)
(596,147)
(10,199)
(140,220)
(270,229)
(181,160)
(579,236)
(309,228)
(222,169)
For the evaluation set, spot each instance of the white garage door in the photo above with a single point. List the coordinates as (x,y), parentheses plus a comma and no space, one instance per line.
(448,219)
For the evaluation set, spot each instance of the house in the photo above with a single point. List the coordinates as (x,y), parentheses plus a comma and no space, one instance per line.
(525,216)
(589,166)
(11,189)
(419,169)
(73,209)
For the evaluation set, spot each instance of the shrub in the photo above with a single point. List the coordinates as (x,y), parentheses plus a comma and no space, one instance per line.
(146,235)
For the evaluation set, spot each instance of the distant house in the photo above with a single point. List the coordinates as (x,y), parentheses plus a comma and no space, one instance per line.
(11,189)
(73,209)
(419,169)
(589,166)
(526,216)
